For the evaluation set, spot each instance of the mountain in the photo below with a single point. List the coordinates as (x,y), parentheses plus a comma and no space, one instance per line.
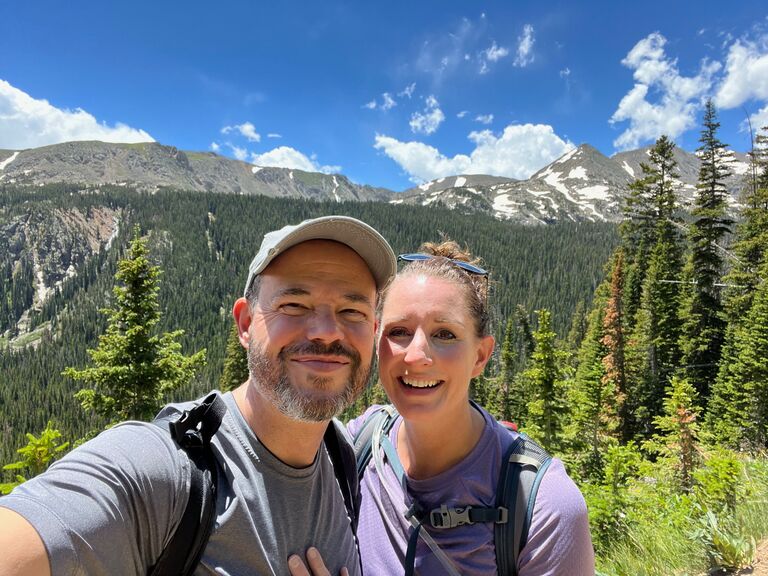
(583,184)
(151,166)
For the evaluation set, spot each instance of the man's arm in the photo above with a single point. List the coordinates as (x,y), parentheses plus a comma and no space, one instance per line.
(23,551)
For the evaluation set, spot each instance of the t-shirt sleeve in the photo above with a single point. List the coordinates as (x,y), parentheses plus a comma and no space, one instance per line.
(559,542)
(109,506)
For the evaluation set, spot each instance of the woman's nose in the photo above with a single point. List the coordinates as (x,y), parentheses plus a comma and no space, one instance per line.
(418,351)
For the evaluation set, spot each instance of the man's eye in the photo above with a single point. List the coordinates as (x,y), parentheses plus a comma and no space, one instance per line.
(293,308)
(354,315)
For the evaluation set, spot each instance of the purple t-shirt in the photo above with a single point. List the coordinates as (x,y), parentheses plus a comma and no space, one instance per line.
(558,544)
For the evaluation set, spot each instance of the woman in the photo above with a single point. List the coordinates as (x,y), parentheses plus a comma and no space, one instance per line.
(434,337)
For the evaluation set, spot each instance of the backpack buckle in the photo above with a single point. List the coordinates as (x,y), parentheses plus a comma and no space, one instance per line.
(445,517)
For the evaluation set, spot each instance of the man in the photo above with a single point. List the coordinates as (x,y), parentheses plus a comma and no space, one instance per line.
(308,322)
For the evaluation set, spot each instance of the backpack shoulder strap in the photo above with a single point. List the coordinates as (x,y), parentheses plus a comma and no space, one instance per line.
(344,468)
(192,431)
(363,440)
(522,469)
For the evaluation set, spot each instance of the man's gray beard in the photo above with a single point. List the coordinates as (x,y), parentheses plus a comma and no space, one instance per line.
(272,380)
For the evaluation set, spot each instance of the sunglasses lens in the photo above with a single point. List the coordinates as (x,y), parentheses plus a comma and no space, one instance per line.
(471,268)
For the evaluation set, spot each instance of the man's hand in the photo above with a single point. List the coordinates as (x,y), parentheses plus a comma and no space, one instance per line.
(316,565)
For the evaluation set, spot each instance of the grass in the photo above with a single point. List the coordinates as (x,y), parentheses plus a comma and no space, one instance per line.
(658,545)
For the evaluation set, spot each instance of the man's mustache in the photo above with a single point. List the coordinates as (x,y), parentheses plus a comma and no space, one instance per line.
(318,348)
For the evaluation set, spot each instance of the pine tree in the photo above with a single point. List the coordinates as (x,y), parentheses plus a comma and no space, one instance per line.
(728,403)
(133,368)
(703,328)
(614,340)
(650,202)
(235,363)
(652,353)
(739,407)
(677,440)
(517,347)
(547,408)
(588,431)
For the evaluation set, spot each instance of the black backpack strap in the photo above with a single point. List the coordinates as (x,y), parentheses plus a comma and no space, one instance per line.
(522,469)
(344,468)
(193,431)
(363,441)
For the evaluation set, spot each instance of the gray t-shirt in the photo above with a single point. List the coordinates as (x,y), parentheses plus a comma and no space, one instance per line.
(110,506)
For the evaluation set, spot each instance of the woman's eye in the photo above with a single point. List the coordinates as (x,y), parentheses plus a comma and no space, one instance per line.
(445,334)
(397,332)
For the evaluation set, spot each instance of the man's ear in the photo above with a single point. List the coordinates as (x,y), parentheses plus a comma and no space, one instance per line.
(241,312)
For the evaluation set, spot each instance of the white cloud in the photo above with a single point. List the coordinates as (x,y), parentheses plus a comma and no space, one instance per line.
(565,73)
(496,53)
(274,135)
(677,98)
(518,152)
(238,152)
(484,118)
(27,122)
(387,103)
(245,129)
(408,90)
(287,157)
(462,114)
(746,74)
(525,47)
(428,121)
(760,119)
(215,146)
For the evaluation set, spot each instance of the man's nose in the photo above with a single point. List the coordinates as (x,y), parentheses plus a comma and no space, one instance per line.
(324,326)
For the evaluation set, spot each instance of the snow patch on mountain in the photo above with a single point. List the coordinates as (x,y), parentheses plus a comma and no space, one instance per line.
(578,173)
(8,160)
(596,192)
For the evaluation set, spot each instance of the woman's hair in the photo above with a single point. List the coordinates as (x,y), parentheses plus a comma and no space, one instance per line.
(441,265)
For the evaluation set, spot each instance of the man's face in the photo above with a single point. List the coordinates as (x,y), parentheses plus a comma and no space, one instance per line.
(312,330)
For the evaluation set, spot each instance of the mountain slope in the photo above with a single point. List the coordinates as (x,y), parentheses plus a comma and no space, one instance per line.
(150,166)
(581,185)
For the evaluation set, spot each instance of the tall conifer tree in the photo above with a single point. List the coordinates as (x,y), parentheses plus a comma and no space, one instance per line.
(547,410)
(703,329)
(133,368)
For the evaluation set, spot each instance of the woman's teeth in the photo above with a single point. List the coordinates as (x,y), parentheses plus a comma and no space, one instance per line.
(420,383)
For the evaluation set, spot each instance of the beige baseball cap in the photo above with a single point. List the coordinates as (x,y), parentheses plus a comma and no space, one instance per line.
(362,238)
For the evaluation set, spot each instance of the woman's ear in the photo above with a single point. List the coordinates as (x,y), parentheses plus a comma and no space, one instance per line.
(241,312)
(484,351)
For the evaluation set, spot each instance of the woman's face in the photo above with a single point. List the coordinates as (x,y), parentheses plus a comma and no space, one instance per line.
(428,347)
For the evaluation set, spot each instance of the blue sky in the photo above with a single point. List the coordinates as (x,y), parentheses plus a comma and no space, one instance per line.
(387,93)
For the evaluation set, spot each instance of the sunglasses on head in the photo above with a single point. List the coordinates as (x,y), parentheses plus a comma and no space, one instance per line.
(471,268)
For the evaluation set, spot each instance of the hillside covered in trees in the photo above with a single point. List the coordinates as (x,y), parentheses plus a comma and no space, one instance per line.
(203,244)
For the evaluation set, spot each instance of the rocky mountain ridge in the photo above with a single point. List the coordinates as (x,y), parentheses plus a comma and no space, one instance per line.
(583,184)
(150,166)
